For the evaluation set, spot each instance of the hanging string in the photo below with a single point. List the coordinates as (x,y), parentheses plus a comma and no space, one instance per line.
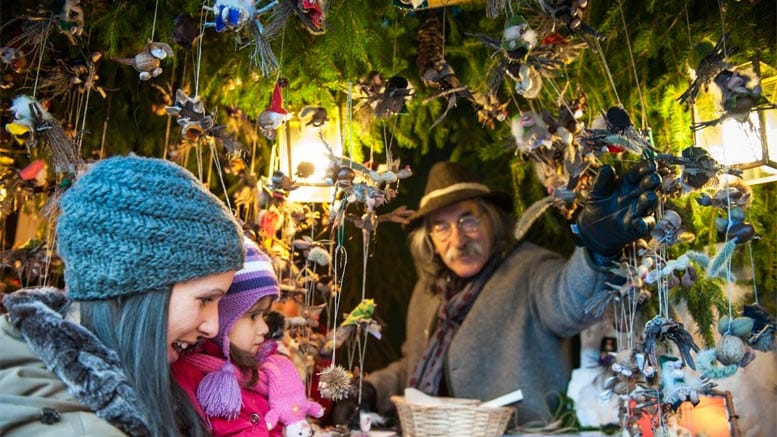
(607,70)
(633,66)
(153,24)
(729,290)
(198,57)
(349,108)
(688,23)
(50,234)
(394,48)
(280,62)
(339,261)
(40,61)
(752,268)
(215,156)
(444,20)
(722,25)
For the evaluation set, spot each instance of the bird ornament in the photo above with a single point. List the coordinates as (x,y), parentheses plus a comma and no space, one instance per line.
(191,115)
(711,64)
(33,125)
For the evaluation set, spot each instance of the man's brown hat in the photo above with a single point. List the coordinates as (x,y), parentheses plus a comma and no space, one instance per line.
(449,183)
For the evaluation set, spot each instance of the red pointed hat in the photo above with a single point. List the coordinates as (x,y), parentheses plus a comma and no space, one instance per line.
(449,183)
(276,102)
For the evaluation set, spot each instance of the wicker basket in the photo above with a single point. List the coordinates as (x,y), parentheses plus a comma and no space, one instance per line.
(463,417)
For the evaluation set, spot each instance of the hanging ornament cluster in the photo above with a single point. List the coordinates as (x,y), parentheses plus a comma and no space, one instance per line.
(243,17)
(526,56)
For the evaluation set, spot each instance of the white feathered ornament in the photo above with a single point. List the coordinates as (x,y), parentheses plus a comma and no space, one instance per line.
(32,125)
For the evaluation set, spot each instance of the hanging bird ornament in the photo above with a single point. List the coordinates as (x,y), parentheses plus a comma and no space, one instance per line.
(148,63)
(710,66)
(33,125)
(740,94)
(570,14)
(191,115)
(613,132)
(386,97)
(242,16)
(518,38)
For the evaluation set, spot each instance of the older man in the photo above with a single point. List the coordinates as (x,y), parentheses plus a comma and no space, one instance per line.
(490,314)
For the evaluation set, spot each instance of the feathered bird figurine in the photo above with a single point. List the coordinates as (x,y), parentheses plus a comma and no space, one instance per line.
(394,97)
(615,136)
(709,67)
(570,13)
(659,328)
(363,311)
(32,125)
(148,62)
(740,94)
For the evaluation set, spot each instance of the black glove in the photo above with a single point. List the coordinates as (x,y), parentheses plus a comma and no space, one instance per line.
(618,212)
(346,411)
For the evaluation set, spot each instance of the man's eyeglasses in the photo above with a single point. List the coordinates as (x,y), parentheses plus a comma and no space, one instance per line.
(468,225)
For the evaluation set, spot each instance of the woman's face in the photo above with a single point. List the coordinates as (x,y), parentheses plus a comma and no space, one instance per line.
(249,330)
(194,311)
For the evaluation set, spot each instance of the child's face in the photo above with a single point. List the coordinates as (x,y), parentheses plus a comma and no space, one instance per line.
(249,330)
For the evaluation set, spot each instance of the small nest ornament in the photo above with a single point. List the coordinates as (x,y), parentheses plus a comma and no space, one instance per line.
(335,383)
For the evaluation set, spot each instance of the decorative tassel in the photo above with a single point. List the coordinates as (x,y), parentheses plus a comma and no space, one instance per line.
(716,268)
(219,393)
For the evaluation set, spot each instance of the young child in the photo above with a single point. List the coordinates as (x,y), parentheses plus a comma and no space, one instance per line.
(239,383)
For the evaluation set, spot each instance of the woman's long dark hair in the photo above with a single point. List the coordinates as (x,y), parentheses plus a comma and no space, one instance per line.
(136,329)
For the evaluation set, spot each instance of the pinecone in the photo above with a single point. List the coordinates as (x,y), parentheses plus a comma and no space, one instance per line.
(430,46)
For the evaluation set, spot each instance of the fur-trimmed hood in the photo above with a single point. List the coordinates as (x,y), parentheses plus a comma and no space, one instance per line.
(89,369)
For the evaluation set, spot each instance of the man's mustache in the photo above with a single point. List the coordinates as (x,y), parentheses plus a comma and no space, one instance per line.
(472,248)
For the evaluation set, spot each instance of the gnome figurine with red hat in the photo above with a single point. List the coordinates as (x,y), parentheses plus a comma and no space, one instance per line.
(273,117)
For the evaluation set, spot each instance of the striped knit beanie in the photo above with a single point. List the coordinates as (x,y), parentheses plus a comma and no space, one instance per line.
(219,391)
(131,225)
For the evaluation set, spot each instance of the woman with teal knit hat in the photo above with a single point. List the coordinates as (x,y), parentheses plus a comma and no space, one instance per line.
(148,254)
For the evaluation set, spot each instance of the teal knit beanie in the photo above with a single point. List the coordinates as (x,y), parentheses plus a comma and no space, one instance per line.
(130,225)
